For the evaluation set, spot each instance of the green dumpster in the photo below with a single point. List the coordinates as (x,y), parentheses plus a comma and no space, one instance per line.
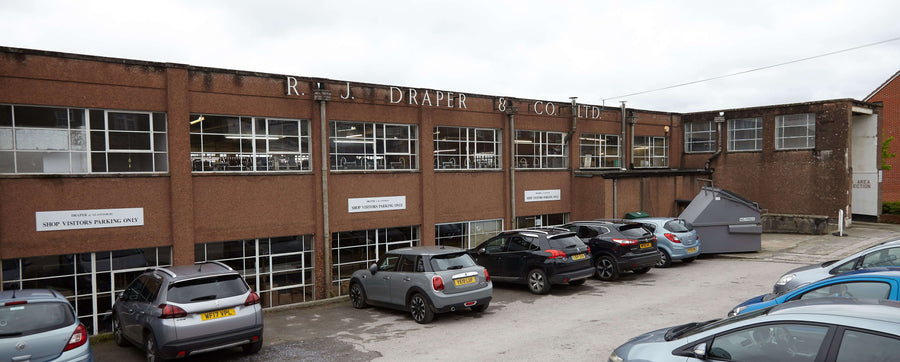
(636,215)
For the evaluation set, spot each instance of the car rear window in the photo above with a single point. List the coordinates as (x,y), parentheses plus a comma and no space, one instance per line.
(451,262)
(31,318)
(202,289)
(569,242)
(679,226)
(633,230)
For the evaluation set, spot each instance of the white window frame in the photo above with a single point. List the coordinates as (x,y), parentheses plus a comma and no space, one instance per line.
(474,232)
(599,155)
(802,127)
(468,152)
(374,243)
(656,155)
(742,126)
(254,158)
(377,147)
(699,139)
(545,152)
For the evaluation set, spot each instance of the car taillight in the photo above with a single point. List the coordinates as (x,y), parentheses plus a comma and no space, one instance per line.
(437,283)
(487,277)
(252,299)
(556,254)
(171,311)
(625,242)
(673,238)
(78,338)
(16,302)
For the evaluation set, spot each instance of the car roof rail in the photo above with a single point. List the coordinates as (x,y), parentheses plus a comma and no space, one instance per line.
(164,270)
(214,262)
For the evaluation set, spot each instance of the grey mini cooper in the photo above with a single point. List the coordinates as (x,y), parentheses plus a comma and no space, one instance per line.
(423,280)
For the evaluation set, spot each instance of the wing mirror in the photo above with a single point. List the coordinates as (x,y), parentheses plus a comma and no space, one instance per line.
(699,351)
(482,251)
(373,268)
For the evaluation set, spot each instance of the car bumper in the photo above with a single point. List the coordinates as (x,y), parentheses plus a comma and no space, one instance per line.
(639,261)
(681,252)
(220,340)
(560,278)
(449,302)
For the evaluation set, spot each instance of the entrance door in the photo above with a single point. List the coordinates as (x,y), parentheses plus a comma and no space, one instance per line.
(866,161)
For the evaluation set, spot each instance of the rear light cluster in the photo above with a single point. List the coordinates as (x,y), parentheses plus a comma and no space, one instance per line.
(625,242)
(672,237)
(171,311)
(487,277)
(78,338)
(556,254)
(437,283)
(252,299)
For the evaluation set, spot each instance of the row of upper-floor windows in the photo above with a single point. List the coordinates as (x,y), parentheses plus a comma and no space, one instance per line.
(65,140)
(792,132)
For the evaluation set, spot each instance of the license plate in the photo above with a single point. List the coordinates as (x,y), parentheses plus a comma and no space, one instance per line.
(217,314)
(646,245)
(577,256)
(691,250)
(463,281)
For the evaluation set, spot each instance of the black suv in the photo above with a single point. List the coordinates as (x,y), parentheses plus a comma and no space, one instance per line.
(617,246)
(536,256)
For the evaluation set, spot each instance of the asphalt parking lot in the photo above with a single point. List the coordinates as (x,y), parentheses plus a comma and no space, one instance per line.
(571,323)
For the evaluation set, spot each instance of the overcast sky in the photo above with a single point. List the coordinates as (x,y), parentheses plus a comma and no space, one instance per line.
(594,50)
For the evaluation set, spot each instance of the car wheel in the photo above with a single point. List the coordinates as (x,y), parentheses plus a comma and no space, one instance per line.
(420,309)
(641,270)
(538,282)
(606,268)
(253,347)
(357,296)
(152,349)
(577,282)
(480,307)
(117,333)
(665,260)
(689,260)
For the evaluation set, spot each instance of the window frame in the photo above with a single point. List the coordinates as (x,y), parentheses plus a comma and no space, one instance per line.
(473,232)
(542,143)
(252,132)
(377,154)
(809,125)
(733,131)
(600,156)
(649,142)
(468,158)
(694,138)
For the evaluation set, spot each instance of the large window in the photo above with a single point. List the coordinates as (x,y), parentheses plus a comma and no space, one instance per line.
(745,134)
(541,149)
(234,143)
(466,234)
(541,220)
(279,269)
(355,250)
(699,136)
(59,140)
(650,151)
(599,150)
(372,146)
(90,281)
(462,148)
(795,131)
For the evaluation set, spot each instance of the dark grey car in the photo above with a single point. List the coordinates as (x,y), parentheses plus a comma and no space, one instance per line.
(882,255)
(423,280)
(179,311)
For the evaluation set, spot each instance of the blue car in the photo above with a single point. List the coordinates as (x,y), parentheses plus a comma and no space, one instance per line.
(877,283)
(676,239)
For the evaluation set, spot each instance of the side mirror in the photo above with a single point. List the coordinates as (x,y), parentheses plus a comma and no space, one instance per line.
(373,268)
(699,351)
(482,251)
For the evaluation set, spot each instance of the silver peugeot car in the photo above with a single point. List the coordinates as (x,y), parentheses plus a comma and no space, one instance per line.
(881,255)
(179,311)
(40,325)
(825,329)
(423,280)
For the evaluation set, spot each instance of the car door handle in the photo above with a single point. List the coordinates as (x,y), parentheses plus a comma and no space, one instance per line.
(386,278)
(407,279)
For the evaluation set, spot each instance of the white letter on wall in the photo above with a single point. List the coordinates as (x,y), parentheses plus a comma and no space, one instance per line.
(400,92)
(292,86)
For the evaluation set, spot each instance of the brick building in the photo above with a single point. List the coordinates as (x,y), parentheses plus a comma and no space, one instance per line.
(108,166)
(888,96)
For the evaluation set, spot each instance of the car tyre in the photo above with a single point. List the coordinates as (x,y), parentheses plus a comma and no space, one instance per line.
(357,296)
(420,309)
(152,349)
(642,270)
(665,260)
(118,335)
(538,283)
(606,268)
(689,260)
(577,282)
(479,308)
(253,347)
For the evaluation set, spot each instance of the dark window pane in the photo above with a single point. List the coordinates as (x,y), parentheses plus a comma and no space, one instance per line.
(129,141)
(98,141)
(98,120)
(45,117)
(98,162)
(159,122)
(130,162)
(129,121)
(5,116)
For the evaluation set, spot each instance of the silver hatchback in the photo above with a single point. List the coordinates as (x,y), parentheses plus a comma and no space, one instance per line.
(180,311)
(40,325)
(423,280)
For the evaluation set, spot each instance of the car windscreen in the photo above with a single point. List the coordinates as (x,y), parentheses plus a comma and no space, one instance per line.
(31,318)
(633,230)
(679,226)
(202,289)
(568,242)
(451,262)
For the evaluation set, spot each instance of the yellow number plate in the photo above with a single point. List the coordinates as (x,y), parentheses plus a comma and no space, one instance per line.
(577,256)
(646,245)
(217,314)
(691,250)
(464,281)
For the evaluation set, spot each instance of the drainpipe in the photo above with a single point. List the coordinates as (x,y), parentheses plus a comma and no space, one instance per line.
(322,96)
(615,197)
(511,112)
(719,120)
(622,142)
(572,135)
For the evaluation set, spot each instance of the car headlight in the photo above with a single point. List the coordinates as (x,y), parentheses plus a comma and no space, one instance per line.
(785,279)
(737,310)
(613,357)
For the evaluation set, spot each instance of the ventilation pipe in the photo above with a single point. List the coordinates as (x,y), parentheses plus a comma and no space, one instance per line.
(719,120)
(622,141)
(511,115)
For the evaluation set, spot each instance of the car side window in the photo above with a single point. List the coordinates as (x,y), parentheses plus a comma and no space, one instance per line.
(420,265)
(389,263)
(135,290)
(586,232)
(407,263)
(495,245)
(519,243)
(843,268)
(151,289)
(650,227)
(862,346)
(873,290)
(770,342)
(886,257)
